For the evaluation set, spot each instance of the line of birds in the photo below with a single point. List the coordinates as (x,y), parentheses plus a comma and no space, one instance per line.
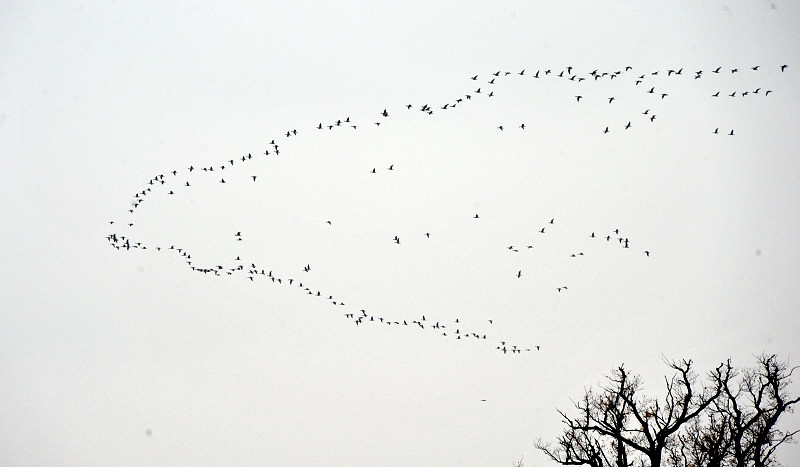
(171,188)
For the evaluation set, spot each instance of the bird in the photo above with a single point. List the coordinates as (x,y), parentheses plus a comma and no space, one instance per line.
(385,113)
(731,133)
(610,99)
(647,253)
(578,98)
(716,94)
(519,274)
(628,125)
(605,131)
(783,67)
(716,131)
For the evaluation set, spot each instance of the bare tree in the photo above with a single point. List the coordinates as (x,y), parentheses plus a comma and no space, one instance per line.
(731,421)
(752,405)
(619,426)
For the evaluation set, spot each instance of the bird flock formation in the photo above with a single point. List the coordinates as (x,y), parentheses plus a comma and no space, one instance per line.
(654,87)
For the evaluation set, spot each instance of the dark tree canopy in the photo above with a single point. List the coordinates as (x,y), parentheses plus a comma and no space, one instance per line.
(729,419)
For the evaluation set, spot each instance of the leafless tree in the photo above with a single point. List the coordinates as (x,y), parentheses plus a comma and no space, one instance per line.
(752,405)
(619,426)
(730,421)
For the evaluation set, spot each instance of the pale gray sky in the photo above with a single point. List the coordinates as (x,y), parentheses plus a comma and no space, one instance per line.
(98,346)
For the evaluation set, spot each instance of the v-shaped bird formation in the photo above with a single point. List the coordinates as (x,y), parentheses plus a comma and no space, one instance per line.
(648,92)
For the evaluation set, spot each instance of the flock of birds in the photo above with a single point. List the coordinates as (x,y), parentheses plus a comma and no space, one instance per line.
(234,170)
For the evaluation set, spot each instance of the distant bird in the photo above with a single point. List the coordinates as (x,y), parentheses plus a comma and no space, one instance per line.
(519,274)
(783,67)
(628,125)
(385,113)
(474,78)
(664,95)
(610,99)
(254,178)
(500,128)
(731,133)
(717,70)
(716,94)
(605,131)
(716,131)
(391,167)
(476,216)
(578,98)
(652,118)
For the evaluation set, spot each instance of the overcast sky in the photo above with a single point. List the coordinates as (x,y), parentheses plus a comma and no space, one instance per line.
(130,357)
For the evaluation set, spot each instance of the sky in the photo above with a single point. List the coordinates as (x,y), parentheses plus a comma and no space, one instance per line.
(128,356)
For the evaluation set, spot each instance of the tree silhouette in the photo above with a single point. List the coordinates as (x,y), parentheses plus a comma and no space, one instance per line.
(730,420)
(741,428)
